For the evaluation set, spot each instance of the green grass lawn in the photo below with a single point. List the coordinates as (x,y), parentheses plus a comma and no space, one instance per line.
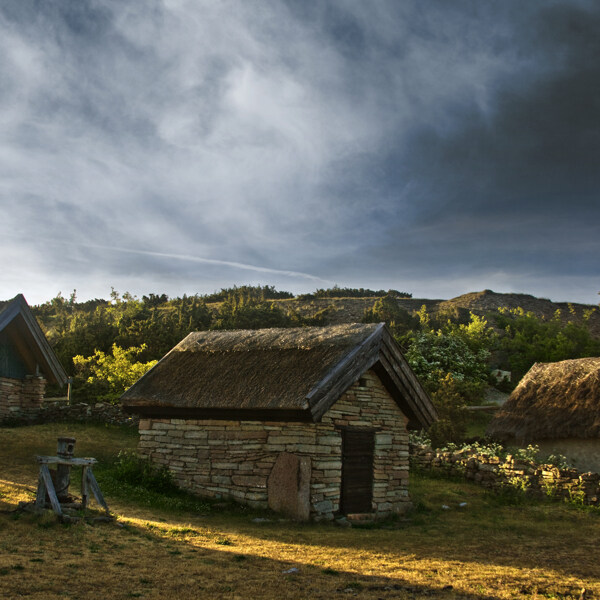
(177,546)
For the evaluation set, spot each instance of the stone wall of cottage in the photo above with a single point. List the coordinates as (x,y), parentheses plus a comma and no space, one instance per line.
(21,396)
(233,459)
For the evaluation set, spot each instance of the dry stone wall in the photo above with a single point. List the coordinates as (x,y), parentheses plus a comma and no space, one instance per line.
(233,459)
(57,411)
(511,473)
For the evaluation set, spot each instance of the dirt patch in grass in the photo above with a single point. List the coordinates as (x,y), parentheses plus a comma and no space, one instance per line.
(494,547)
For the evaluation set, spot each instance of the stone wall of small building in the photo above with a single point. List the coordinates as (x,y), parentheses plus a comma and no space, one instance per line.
(233,459)
(21,396)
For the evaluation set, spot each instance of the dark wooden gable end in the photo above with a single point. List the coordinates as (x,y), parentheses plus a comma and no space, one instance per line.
(24,348)
(253,375)
(381,353)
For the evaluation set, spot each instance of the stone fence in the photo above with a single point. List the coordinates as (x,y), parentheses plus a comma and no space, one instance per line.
(59,411)
(511,473)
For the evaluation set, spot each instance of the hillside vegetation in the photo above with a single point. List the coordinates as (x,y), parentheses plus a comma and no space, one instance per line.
(452,345)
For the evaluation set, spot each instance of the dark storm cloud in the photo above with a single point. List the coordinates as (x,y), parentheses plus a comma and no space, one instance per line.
(513,186)
(385,144)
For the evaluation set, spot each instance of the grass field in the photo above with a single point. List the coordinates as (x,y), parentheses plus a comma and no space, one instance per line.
(496,547)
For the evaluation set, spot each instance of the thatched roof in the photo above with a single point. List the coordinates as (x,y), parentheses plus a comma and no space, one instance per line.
(553,400)
(274,374)
(18,323)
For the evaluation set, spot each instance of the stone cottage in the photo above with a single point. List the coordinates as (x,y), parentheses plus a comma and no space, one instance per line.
(312,421)
(556,406)
(27,361)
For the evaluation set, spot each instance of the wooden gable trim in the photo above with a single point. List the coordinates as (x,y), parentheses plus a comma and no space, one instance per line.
(35,342)
(404,386)
(381,353)
(322,397)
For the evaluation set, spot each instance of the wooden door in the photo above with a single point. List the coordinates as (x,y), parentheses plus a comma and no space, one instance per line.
(357,471)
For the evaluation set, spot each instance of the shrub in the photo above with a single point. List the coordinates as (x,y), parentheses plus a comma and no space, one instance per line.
(132,469)
(529,454)
(434,355)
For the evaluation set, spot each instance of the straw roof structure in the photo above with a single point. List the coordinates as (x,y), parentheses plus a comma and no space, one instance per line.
(274,374)
(19,325)
(553,400)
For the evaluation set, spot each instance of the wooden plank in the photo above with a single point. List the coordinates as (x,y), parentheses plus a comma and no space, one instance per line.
(328,399)
(346,373)
(401,392)
(402,369)
(40,495)
(390,345)
(358,448)
(85,490)
(19,336)
(347,362)
(96,490)
(58,373)
(50,489)
(73,462)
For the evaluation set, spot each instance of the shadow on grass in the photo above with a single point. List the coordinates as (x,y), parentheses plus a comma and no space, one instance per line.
(43,559)
(491,531)
(496,529)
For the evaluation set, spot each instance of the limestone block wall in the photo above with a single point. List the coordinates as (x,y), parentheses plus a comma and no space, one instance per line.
(21,396)
(233,459)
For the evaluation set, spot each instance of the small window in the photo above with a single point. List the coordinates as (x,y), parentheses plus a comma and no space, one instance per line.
(362,382)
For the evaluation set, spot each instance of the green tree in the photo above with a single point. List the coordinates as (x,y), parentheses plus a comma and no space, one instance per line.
(526,339)
(104,377)
(449,402)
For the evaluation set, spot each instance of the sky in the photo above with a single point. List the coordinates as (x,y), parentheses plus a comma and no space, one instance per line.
(182,146)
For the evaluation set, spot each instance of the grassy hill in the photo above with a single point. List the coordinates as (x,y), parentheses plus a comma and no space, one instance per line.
(486,303)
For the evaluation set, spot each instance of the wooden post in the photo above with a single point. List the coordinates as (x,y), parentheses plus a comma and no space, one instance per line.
(96,491)
(85,489)
(40,496)
(45,473)
(65,448)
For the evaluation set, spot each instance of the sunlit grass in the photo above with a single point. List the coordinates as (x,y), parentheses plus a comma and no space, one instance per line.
(495,546)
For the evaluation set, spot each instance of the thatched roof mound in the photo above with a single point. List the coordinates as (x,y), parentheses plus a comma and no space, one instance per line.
(553,400)
(269,373)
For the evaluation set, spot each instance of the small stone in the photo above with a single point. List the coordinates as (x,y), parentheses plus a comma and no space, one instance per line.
(445,507)
(343,522)
(291,571)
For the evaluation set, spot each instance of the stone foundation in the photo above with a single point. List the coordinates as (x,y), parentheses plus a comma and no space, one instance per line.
(21,396)
(233,459)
